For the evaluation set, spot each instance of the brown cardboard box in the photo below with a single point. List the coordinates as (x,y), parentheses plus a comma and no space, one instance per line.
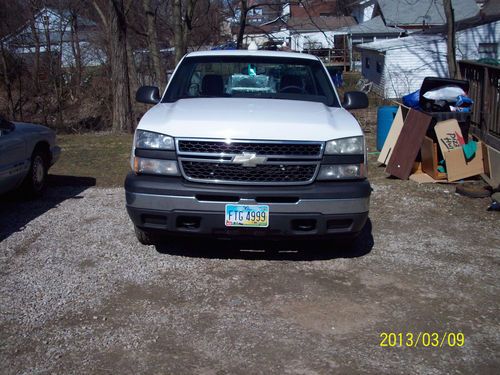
(457,167)
(429,155)
(449,135)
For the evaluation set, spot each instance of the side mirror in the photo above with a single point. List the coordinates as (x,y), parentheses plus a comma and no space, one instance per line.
(6,125)
(355,100)
(148,95)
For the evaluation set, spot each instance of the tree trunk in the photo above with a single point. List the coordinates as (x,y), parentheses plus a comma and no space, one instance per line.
(451,56)
(243,22)
(36,40)
(187,22)
(133,83)
(154,50)
(58,71)
(180,48)
(7,82)
(77,53)
(121,109)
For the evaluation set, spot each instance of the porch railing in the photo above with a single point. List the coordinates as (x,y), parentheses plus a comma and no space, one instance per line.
(484,81)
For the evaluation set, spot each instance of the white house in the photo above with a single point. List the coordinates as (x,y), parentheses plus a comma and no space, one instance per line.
(398,66)
(55,32)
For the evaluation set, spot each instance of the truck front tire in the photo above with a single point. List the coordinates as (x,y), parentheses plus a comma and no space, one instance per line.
(145,237)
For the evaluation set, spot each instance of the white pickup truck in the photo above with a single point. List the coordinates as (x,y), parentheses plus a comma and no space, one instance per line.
(248,143)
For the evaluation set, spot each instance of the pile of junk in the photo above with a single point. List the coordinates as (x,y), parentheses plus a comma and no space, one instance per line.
(426,139)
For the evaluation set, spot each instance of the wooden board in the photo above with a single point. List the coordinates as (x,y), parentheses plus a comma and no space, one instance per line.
(422,178)
(408,144)
(392,136)
(428,153)
(491,166)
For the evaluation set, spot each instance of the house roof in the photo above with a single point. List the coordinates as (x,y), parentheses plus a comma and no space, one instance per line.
(374,26)
(491,9)
(398,43)
(320,23)
(416,12)
(313,8)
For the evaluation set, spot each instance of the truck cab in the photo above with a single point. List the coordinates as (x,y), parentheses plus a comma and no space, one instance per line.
(248,143)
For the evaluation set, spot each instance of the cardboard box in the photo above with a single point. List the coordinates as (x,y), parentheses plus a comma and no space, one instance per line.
(449,135)
(430,162)
(457,167)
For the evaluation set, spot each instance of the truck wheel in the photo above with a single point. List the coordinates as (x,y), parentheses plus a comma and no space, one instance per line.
(144,237)
(36,180)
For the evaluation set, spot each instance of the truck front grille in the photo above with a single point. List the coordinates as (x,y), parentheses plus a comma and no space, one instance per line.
(279,163)
(236,173)
(267,148)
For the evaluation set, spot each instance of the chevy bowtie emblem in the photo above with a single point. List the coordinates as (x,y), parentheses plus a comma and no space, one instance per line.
(248,159)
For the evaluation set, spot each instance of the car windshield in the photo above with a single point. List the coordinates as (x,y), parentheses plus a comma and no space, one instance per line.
(251,77)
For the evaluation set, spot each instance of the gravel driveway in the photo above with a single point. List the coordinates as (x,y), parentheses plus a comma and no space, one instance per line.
(80,295)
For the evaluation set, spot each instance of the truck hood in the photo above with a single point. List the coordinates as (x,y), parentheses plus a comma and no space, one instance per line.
(243,118)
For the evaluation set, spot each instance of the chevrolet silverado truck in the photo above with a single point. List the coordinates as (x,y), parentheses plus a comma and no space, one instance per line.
(248,143)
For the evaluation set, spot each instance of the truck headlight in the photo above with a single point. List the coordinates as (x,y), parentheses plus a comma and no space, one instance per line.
(351,145)
(156,166)
(341,172)
(155,141)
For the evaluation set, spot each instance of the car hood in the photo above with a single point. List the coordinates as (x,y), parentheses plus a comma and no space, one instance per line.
(243,118)
(24,127)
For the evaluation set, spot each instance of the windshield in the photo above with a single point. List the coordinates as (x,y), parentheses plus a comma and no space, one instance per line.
(251,77)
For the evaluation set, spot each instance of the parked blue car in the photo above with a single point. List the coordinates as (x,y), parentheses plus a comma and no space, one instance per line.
(27,151)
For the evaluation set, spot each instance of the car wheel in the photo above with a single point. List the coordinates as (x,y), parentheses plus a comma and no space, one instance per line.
(145,237)
(36,180)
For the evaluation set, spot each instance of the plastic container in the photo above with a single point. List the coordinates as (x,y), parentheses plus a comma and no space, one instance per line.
(385,117)
(463,118)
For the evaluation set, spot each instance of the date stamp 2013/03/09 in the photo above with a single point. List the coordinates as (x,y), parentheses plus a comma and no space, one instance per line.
(421,339)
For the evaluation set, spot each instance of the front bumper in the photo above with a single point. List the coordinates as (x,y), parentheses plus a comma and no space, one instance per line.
(173,205)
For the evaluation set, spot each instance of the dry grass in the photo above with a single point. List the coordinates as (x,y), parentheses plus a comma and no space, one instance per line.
(103,156)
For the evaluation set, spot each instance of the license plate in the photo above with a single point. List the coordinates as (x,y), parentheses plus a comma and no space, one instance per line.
(239,215)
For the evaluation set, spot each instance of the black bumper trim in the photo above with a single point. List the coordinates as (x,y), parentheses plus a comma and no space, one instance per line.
(198,223)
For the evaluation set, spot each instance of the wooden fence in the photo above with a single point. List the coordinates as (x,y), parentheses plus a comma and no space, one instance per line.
(484,89)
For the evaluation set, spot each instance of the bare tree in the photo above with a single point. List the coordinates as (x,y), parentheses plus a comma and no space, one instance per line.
(7,80)
(451,57)
(152,37)
(121,107)
(77,53)
(36,40)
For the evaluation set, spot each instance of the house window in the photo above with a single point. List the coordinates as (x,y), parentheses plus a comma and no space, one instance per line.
(488,50)
(379,67)
(367,62)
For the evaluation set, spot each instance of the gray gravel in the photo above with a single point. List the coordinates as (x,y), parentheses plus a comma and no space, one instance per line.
(80,295)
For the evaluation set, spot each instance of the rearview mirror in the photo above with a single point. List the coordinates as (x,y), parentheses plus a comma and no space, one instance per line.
(355,100)
(148,95)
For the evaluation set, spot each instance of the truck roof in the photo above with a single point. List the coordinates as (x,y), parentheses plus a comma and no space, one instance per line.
(262,53)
